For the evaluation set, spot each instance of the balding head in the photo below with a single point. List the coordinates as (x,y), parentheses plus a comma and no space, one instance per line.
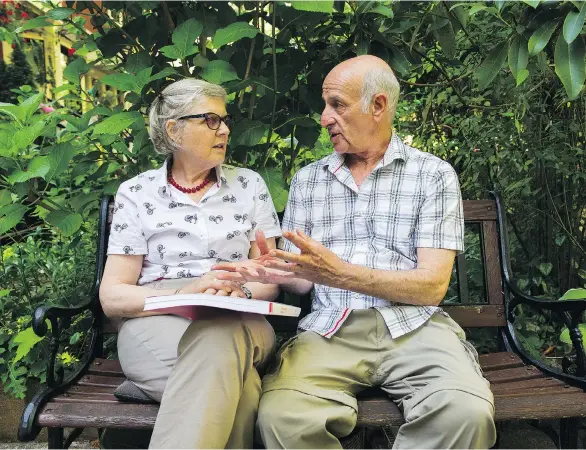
(369,76)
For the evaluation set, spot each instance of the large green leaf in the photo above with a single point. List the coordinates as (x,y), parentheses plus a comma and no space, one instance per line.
(541,37)
(518,55)
(565,334)
(219,72)
(573,23)
(115,124)
(491,66)
(277,187)
(447,39)
(248,132)
(569,65)
(322,6)
(166,72)
(128,81)
(38,167)
(16,112)
(66,221)
(5,197)
(60,13)
(24,137)
(37,22)
(574,294)
(75,70)
(382,11)
(399,62)
(31,104)
(10,215)
(234,32)
(183,38)
(25,340)
(60,155)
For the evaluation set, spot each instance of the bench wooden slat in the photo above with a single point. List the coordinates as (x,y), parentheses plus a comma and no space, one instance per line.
(523,407)
(523,386)
(550,390)
(478,315)
(516,374)
(96,415)
(77,389)
(106,367)
(501,360)
(100,380)
(479,210)
(86,399)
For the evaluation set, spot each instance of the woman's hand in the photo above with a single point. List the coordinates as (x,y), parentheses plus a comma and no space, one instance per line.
(210,284)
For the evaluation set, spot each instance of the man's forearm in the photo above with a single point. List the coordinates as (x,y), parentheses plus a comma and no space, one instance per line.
(412,287)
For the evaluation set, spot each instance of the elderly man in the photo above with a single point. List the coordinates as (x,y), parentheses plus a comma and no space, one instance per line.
(374,228)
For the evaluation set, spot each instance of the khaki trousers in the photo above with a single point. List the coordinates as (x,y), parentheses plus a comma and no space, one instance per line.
(432,373)
(204,373)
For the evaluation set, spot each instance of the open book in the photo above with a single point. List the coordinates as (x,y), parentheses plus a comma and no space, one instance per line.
(182,304)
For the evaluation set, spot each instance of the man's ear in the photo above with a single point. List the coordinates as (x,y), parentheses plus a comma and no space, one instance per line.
(380,106)
(173,130)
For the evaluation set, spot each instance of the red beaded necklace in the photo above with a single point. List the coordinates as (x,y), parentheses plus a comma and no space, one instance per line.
(194,189)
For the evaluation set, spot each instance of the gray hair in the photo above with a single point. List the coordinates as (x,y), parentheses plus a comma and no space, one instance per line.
(376,81)
(175,101)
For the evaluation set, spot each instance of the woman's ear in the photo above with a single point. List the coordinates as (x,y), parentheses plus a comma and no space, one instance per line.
(173,131)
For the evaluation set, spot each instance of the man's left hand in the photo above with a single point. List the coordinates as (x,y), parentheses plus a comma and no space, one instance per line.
(316,263)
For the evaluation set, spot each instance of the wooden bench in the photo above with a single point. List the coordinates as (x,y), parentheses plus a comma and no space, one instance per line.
(524,388)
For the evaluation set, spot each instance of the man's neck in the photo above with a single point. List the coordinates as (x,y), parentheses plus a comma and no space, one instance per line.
(365,162)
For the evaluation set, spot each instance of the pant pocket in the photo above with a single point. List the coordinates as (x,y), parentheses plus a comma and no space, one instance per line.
(472,355)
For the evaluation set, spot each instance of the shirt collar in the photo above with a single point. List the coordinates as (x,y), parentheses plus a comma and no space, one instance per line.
(163,183)
(395,150)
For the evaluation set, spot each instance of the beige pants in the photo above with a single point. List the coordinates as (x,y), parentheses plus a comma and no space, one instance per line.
(204,373)
(432,373)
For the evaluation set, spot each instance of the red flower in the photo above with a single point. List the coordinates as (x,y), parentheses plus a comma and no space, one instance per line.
(13,45)
(476,150)
(9,12)
(70,51)
(24,15)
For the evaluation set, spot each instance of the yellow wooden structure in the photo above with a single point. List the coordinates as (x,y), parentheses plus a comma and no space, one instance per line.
(55,59)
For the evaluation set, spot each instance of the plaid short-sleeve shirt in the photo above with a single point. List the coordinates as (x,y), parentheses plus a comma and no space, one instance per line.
(411,199)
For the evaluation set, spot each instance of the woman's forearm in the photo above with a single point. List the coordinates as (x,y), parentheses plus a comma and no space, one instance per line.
(260,291)
(127,301)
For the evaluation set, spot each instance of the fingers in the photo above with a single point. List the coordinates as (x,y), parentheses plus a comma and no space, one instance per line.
(248,270)
(222,293)
(231,267)
(288,267)
(237,294)
(299,241)
(210,291)
(261,242)
(231,276)
(285,256)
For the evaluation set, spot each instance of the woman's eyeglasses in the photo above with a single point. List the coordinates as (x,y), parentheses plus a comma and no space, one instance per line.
(213,120)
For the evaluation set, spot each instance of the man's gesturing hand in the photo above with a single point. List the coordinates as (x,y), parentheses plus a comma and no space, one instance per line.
(316,263)
(253,270)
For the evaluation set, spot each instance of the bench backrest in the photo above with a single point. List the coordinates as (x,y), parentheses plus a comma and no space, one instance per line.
(475,297)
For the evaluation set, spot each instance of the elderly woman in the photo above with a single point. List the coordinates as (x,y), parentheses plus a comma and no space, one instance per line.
(170,226)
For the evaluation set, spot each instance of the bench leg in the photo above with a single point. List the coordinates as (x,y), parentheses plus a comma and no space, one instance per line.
(55,438)
(569,433)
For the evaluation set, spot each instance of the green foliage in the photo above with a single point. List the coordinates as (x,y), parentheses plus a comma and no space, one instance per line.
(43,269)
